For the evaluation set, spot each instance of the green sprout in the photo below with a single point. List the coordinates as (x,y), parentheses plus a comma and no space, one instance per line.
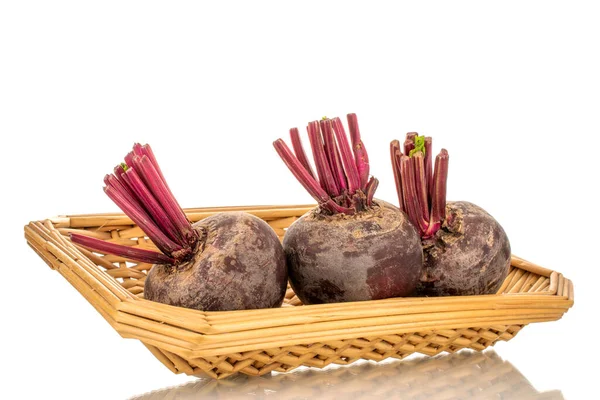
(419,146)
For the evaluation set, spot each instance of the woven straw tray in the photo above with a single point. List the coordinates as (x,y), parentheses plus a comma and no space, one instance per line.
(255,342)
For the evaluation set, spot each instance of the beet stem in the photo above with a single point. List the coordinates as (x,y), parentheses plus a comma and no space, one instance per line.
(323,170)
(142,255)
(404,173)
(163,195)
(420,185)
(370,189)
(410,195)
(409,142)
(147,150)
(299,151)
(395,154)
(129,159)
(360,152)
(428,168)
(143,220)
(347,157)
(337,180)
(153,207)
(333,155)
(118,175)
(421,188)
(309,183)
(135,200)
(139,188)
(438,207)
(123,187)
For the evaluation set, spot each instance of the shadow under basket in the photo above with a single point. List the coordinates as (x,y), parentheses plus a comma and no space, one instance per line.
(255,342)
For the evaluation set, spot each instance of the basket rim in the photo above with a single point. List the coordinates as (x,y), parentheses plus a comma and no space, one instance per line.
(194,333)
(193,213)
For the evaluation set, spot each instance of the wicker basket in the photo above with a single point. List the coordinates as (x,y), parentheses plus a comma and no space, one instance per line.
(255,342)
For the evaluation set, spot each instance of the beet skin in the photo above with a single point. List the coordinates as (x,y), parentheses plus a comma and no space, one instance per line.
(374,254)
(469,255)
(239,264)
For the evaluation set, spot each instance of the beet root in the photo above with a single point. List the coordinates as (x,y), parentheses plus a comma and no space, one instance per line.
(369,255)
(239,264)
(229,261)
(351,247)
(466,250)
(469,255)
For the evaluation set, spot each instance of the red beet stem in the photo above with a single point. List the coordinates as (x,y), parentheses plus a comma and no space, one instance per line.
(420,185)
(139,188)
(301,174)
(337,169)
(143,220)
(133,197)
(370,189)
(333,155)
(428,168)
(309,183)
(147,151)
(129,159)
(405,180)
(122,184)
(409,142)
(395,154)
(440,177)
(409,190)
(346,155)
(299,151)
(123,187)
(421,188)
(360,152)
(102,246)
(118,175)
(153,207)
(325,176)
(161,192)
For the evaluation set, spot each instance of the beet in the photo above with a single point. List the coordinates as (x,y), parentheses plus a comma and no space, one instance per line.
(239,265)
(466,250)
(229,261)
(366,255)
(469,255)
(351,247)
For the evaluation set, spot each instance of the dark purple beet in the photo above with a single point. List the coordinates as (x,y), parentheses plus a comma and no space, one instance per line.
(351,247)
(466,251)
(229,261)
(365,256)
(239,265)
(469,255)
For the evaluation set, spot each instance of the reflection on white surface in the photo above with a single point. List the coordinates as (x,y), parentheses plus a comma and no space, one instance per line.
(465,375)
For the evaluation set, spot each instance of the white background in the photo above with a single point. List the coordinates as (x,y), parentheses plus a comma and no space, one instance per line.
(511,89)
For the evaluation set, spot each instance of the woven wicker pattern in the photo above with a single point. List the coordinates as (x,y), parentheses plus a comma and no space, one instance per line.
(345,352)
(256,342)
(466,375)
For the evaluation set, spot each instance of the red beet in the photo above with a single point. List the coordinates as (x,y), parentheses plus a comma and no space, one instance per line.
(351,247)
(240,266)
(466,250)
(229,261)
